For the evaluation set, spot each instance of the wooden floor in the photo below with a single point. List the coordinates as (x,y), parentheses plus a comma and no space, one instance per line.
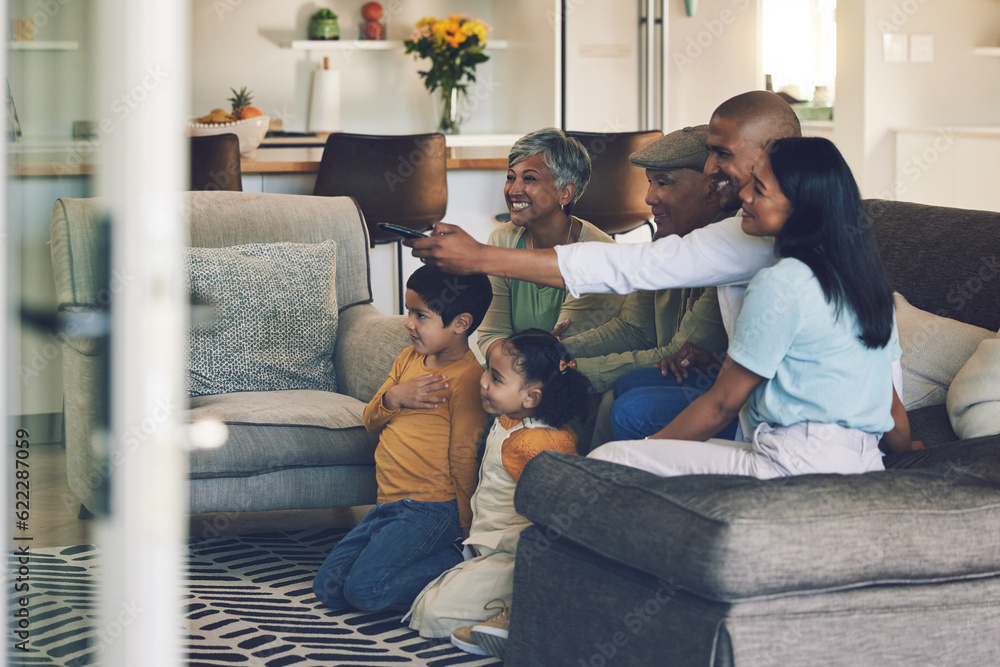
(54,510)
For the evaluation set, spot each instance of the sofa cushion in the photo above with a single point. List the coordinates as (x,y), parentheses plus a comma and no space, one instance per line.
(325,428)
(275,323)
(944,260)
(930,425)
(733,537)
(934,349)
(974,394)
(979,453)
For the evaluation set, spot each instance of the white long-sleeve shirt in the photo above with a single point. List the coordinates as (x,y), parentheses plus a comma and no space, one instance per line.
(720,254)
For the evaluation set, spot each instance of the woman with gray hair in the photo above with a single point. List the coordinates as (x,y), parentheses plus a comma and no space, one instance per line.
(546,175)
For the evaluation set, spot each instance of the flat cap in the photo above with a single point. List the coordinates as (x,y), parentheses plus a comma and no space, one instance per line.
(680,149)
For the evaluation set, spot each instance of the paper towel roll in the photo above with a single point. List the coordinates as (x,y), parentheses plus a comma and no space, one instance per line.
(324,107)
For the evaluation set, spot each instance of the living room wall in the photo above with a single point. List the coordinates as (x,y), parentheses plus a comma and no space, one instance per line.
(958,89)
(714,55)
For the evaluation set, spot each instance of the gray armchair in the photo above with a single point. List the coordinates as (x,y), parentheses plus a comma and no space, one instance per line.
(291,449)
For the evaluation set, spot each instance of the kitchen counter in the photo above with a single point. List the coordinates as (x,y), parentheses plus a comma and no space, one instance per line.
(39,157)
(277,159)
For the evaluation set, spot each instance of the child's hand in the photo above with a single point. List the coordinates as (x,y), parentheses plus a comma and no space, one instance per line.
(415,393)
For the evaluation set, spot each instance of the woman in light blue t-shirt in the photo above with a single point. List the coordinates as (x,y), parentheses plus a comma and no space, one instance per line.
(814,342)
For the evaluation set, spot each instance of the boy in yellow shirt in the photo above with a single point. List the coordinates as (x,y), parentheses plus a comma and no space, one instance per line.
(430,417)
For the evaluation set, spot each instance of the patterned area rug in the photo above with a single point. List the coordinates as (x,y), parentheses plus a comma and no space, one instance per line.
(249,602)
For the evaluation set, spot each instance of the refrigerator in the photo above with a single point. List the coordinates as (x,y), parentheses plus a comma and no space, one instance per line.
(613,65)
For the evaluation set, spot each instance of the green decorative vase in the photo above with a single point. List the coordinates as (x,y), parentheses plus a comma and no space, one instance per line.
(324,29)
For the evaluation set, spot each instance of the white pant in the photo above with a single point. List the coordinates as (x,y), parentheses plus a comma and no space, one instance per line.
(807,447)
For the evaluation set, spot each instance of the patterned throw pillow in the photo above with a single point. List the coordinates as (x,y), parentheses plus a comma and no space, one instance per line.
(275,321)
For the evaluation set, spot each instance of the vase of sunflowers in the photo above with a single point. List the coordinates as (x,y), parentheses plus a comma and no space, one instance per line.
(454,47)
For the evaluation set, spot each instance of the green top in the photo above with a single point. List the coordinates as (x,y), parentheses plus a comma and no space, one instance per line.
(536,307)
(651,325)
(517,304)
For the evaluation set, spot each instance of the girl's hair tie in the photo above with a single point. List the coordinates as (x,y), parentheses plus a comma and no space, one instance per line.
(563,365)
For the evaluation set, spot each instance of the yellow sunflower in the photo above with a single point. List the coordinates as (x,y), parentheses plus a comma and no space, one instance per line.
(475,28)
(451,32)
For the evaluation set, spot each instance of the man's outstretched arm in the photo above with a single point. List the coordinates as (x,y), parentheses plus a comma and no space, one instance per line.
(718,254)
(452,249)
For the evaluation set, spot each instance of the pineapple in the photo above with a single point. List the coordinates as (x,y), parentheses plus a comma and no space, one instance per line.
(240,101)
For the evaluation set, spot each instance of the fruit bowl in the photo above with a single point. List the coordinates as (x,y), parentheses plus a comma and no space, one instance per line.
(251,131)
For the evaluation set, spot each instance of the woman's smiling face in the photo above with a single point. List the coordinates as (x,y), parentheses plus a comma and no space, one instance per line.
(765,207)
(530,191)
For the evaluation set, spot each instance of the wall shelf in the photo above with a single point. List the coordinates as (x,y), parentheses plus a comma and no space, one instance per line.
(991,51)
(343,45)
(362,45)
(43,46)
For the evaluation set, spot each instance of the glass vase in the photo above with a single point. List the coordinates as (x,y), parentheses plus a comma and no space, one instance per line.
(449,117)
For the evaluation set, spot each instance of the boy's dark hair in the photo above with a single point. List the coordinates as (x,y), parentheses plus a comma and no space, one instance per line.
(450,295)
(565,391)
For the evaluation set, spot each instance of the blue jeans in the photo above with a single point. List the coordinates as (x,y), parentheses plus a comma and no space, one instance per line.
(396,550)
(645,402)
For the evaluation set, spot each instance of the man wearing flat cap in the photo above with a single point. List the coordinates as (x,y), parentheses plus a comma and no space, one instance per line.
(626,352)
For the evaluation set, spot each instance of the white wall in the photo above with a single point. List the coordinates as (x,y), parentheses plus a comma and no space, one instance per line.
(711,57)
(957,89)
(714,55)
(239,43)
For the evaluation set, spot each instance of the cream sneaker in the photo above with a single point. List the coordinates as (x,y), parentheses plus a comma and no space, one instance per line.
(462,638)
(491,635)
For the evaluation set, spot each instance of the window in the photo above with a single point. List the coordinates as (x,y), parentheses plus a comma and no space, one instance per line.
(799,40)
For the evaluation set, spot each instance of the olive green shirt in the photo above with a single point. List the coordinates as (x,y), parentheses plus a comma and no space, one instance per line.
(518,305)
(651,325)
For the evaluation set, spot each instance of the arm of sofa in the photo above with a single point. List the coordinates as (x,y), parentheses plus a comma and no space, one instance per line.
(729,537)
(367,344)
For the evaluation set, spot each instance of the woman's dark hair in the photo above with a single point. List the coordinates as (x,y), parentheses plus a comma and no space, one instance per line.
(565,392)
(828,230)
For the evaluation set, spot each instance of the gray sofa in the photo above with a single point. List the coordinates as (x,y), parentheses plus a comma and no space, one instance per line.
(900,567)
(291,449)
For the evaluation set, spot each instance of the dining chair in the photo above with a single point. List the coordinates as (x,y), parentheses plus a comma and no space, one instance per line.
(397,179)
(614,199)
(215,163)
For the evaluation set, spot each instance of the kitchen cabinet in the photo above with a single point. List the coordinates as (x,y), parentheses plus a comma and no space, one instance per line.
(943,166)
(51,76)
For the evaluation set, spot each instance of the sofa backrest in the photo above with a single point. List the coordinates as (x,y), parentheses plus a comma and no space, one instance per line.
(219,219)
(943,260)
